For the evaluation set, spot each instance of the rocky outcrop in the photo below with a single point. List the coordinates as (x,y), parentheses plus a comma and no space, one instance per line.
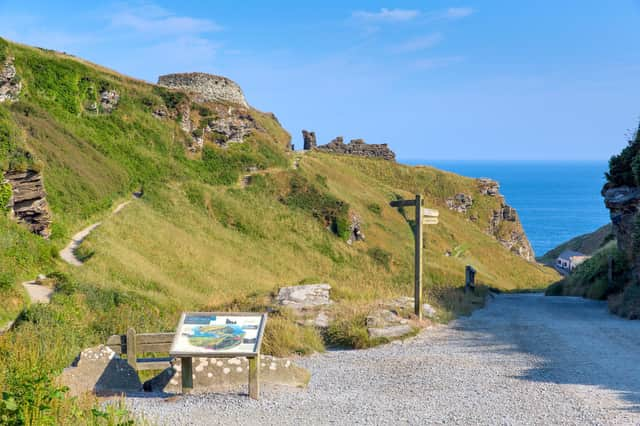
(358,147)
(205,87)
(304,296)
(109,100)
(28,202)
(624,207)
(355,228)
(505,226)
(460,203)
(10,84)
(488,187)
(309,140)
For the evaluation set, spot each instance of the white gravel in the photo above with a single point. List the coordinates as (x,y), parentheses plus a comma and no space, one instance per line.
(526,359)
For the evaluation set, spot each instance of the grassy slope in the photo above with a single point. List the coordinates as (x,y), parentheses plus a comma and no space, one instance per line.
(196,241)
(587,244)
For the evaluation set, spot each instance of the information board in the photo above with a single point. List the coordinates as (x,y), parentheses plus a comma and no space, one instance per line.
(218,334)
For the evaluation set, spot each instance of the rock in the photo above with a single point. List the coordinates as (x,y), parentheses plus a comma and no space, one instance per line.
(29,203)
(309,140)
(109,100)
(229,374)
(383,318)
(10,84)
(390,332)
(359,148)
(505,226)
(322,320)
(99,370)
(232,127)
(459,202)
(623,203)
(429,311)
(205,87)
(161,113)
(488,187)
(304,296)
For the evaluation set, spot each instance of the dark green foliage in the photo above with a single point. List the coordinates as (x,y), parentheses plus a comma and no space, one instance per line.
(170,98)
(380,256)
(624,168)
(374,208)
(7,279)
(322,205)
(555,289)
(4,49)
(202,110)
(590,279)
(5,197)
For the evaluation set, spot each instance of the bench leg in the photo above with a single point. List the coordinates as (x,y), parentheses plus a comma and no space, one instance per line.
(187,375)
(254,377)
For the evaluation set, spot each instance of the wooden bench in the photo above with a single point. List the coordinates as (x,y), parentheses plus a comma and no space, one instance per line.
(133,344)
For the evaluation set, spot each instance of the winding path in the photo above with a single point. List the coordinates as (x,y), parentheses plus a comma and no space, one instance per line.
(68,253)
(526,359)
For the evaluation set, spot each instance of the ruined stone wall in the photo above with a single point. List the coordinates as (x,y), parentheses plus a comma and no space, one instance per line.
(309,140)
(28,202)
(206,87)
(358,147)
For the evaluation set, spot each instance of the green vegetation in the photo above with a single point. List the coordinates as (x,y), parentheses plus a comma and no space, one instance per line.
(587,244)
(196,240)
(590,279)
(624,168)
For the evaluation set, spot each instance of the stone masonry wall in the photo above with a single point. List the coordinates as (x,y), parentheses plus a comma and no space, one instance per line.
(206,87)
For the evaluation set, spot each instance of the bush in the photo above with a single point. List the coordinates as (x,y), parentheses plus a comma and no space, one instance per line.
(7,279)
(5,197)
(555,289)
(624,168)
(283,337)
(380,256)
(374,208)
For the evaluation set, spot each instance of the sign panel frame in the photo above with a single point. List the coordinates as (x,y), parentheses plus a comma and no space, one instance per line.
(206,319)
(429,220)
(430,212)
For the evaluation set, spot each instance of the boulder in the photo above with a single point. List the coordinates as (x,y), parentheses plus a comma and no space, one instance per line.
(304,296)
(390,332)
(109,100)
(229,374)
(100,371)
(459,203)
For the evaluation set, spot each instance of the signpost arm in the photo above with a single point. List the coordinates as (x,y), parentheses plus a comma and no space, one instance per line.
(254,377)
(418,258)
(187,374)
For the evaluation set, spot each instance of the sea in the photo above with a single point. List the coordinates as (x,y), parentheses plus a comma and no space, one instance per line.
(556,201)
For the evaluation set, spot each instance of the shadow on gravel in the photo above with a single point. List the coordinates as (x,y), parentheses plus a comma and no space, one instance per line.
(569,340)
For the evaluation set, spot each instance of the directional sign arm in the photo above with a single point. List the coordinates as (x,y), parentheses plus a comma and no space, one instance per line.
(402,203)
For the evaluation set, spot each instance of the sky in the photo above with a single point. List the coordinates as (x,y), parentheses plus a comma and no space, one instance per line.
(435,79)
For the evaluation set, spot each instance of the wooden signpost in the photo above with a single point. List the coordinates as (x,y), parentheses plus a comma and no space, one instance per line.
(423,217)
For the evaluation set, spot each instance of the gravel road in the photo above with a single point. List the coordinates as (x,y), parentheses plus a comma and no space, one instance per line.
(525,359)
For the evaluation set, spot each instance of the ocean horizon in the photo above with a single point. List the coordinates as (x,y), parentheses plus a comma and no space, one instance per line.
(556,200)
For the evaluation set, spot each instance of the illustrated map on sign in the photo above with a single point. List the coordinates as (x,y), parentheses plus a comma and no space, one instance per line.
(206,333)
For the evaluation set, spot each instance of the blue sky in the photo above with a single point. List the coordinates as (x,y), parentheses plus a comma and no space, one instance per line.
(528,80)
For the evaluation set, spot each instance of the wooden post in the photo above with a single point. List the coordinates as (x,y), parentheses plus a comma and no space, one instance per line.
(418,258)
(132,357)
(254,377)
(187,374)
(469,278)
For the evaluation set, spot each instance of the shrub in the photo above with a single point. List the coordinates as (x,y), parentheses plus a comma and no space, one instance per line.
(374,208)
(5,197)
(555,289)
(380,256)
(624,168)
(170,98)
(7,279)
(283,336)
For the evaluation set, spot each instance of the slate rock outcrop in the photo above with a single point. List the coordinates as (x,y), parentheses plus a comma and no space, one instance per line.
(10,84)
(459,203)
(28,203)
(304,296)
(205,87)
(623,203)
(359,148)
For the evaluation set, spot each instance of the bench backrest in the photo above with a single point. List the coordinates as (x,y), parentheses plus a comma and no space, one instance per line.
(133,345)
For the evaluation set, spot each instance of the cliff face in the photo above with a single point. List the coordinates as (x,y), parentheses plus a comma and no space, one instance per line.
(504,224)
(624,207)
(28,203)
(206,87)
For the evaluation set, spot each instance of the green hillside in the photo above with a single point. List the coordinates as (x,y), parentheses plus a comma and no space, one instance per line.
(197,239)
(586,243)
